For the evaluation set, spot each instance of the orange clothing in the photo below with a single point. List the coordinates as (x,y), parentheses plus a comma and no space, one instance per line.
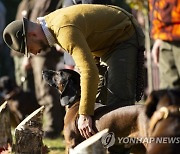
(165,19)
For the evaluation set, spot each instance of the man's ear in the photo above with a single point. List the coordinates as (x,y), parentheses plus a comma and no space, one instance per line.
(153,100)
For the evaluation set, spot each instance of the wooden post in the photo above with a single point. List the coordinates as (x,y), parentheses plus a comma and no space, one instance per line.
(91,145)
(28,134)
(148,50)
(5,128)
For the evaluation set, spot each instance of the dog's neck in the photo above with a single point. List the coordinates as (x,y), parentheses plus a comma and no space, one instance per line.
(71,106)
(76,100)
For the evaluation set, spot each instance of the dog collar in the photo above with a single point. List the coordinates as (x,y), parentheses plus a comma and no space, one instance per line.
(163,113)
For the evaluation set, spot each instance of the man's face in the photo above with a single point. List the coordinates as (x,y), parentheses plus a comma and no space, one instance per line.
(35,46)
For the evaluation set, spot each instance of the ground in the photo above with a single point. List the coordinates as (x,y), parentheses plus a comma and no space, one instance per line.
(56,146)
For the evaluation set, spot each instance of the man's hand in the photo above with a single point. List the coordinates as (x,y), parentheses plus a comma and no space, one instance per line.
(85,126)
(155,51)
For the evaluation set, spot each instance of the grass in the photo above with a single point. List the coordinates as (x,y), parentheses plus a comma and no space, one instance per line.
(56,146)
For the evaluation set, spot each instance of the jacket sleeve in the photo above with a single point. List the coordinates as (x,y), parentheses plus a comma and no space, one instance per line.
(73,41)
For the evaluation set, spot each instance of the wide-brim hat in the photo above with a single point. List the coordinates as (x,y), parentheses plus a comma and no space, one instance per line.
(15,35)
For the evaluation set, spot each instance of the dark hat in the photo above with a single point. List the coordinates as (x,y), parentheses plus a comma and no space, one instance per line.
(14,35)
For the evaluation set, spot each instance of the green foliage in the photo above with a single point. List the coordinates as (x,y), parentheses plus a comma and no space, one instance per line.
(140,5)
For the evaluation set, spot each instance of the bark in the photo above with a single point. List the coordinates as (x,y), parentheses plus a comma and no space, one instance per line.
(5,128)
(28,134)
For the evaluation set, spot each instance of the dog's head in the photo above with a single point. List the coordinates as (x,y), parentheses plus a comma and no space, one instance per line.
(162,98)
(163,111)
(67,82)
(161,107)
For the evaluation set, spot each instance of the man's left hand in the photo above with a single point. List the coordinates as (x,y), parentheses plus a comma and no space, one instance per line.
(85,126)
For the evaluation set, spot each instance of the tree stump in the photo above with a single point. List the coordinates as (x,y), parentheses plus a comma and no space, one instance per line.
(91,145)
(28,134)
(5,128)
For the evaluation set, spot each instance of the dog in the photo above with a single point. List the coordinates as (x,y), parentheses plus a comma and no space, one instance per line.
(20,103)
(163,111)
(126,121)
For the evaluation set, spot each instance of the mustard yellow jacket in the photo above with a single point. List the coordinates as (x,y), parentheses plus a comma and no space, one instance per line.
(86,30)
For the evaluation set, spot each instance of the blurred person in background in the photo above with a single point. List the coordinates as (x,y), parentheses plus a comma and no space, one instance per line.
(48,59)
(2,25)
(11,7)
(23,70)
(6,62)
(24,79)
(28,71)
(165,31)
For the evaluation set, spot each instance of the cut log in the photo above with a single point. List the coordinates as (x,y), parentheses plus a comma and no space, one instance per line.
(28,134)
(91,145)
(5,128)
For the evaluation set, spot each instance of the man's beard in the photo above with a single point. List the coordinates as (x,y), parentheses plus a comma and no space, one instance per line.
(44,46)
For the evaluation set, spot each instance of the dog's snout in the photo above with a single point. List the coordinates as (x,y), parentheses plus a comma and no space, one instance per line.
(47,74)
(49,77)
(44,72)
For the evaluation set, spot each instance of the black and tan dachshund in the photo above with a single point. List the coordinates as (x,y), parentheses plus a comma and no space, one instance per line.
(126,121)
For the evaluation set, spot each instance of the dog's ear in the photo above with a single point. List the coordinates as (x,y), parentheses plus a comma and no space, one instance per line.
(174,95)
(64,75)
(70,94)
(152,101)
(151,104)
(72,90)
(73,75)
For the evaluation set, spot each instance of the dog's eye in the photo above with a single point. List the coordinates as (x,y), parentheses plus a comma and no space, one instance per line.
(63,84)
(56,79)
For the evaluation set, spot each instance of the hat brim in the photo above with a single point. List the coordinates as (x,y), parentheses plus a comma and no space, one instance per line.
(25,25)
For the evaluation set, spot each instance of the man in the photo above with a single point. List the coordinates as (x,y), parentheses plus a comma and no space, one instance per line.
(165,19)
(83,31)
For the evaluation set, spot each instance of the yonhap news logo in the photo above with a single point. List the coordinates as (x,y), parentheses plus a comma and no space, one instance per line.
(148,140)
(109,140)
